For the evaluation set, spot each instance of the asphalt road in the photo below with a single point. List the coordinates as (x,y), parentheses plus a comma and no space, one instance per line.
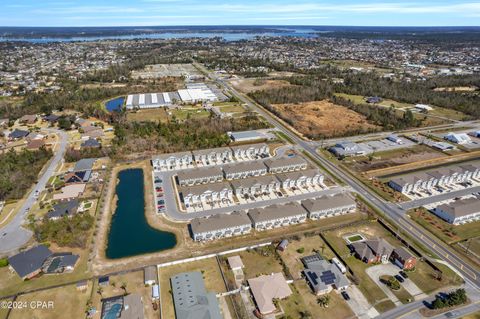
(394,212)
(13,236)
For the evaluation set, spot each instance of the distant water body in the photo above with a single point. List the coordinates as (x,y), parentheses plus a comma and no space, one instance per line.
(227,36)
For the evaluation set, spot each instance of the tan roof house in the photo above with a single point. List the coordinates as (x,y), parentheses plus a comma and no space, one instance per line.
(268,287)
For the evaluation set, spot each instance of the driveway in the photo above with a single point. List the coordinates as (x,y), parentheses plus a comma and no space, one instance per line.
(359,304)
(390,269)
(15,235)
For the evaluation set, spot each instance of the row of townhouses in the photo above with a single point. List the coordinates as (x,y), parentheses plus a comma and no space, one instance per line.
(241,170)
(274,216)
(217,192)
(435,178)
(459,212)
(214,156)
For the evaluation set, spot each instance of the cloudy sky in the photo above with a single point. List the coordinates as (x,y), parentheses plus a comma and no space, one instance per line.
(245,12)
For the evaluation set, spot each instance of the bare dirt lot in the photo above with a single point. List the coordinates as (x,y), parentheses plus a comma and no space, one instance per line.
(322,118)
(251,85)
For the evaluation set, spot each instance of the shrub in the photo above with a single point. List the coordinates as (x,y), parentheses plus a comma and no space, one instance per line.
(3,262)
(301,250)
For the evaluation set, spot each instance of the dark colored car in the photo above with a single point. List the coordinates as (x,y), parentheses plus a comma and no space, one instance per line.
(403,274)
(399,278)
(345,295)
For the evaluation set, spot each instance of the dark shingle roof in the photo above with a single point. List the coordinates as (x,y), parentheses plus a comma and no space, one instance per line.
(18,134)
(30,260)
(63,208)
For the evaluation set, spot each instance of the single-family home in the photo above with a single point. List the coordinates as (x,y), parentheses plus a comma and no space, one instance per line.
(68,208)
(28,263)
(403,258)
(323,276)
(267,288)
(372,250)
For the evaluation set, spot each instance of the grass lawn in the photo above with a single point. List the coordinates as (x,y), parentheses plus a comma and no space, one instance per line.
(184,113)
(424,277)
(158,114)
(261,261)
(355,238)
(448,113)
(447,232)
(211,274)
(134,284)
(66,300)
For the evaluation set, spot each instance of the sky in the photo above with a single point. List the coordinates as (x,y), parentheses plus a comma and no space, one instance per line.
(235,12)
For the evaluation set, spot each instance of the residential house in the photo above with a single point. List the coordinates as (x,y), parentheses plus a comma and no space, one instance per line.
(51,118)
(35,144)
(60,263)
(403,258)
(132,307)
(460,211)
(200,176)
(85,164)
(329,205)
(68,208)
(28,119)
(277,216)
(172,161)
(69,192)
(220,226)
(244,170)
(17,135)
(90,143)
(286,164)
(256,186)
(301,179)
(210,193)
(323,276)
(28,263)
(372,251)
(266,288)
(214,156)
(191,299)
(251,151)
(77,177)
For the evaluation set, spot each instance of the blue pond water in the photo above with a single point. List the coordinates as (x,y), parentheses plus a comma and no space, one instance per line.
(115,104)
(130,234)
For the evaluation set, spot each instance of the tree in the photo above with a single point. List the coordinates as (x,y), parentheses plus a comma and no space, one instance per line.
(305,314)
(124,287)
(438,303)
(100,291)
(324,301)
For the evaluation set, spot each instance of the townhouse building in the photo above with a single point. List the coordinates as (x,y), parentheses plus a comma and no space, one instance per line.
(301,179)
(255,186)
(286,164)
(328,206)
(210,193)
(436,178)
(459,212)
(214,156)
(200,176)
(275,216)
(245,170)
(251,151)
(220,226)
(172,161)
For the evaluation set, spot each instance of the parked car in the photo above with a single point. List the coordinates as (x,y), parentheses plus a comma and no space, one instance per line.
(161,202)
(345,295)
(399,278)
(403,274)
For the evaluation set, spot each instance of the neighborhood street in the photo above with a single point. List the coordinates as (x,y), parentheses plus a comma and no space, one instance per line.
(13,235)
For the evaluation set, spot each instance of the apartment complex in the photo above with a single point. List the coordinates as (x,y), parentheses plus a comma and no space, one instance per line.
(275,216)
(252,151)
(200,176)
(210,193)
(256,185)
(286,164)
(436,178)
(214,156)
(220,226)
(245,170)
(459,212)
(172,161)
(301,179)
(328,206)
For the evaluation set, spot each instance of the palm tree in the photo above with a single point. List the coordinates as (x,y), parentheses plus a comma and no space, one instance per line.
(100,291)
(124,286)
(324,301)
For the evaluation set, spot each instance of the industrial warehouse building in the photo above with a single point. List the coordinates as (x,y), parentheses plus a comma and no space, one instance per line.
(256,186)
(286,164)
(436,178)
(301,179)
(459,212)
(275,216)
(220,226)
(194,93)
(200,176)
(210,193)
(328,206)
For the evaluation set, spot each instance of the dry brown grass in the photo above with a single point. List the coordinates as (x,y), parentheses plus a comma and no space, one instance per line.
(251,85)
(322,118)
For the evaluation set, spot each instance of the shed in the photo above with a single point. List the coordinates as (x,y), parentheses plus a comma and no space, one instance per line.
(283,245)
(235,262)
(103,281)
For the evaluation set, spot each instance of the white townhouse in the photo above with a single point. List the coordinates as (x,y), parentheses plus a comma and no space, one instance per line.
(214,156)
(210,193)
(166,162)
(244,170)
(275,216)
(200,176)
(256,186)
(328,206)
(301,179)
(251,151)
(286,164)
(440,177)
(459,212)
(220,226)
